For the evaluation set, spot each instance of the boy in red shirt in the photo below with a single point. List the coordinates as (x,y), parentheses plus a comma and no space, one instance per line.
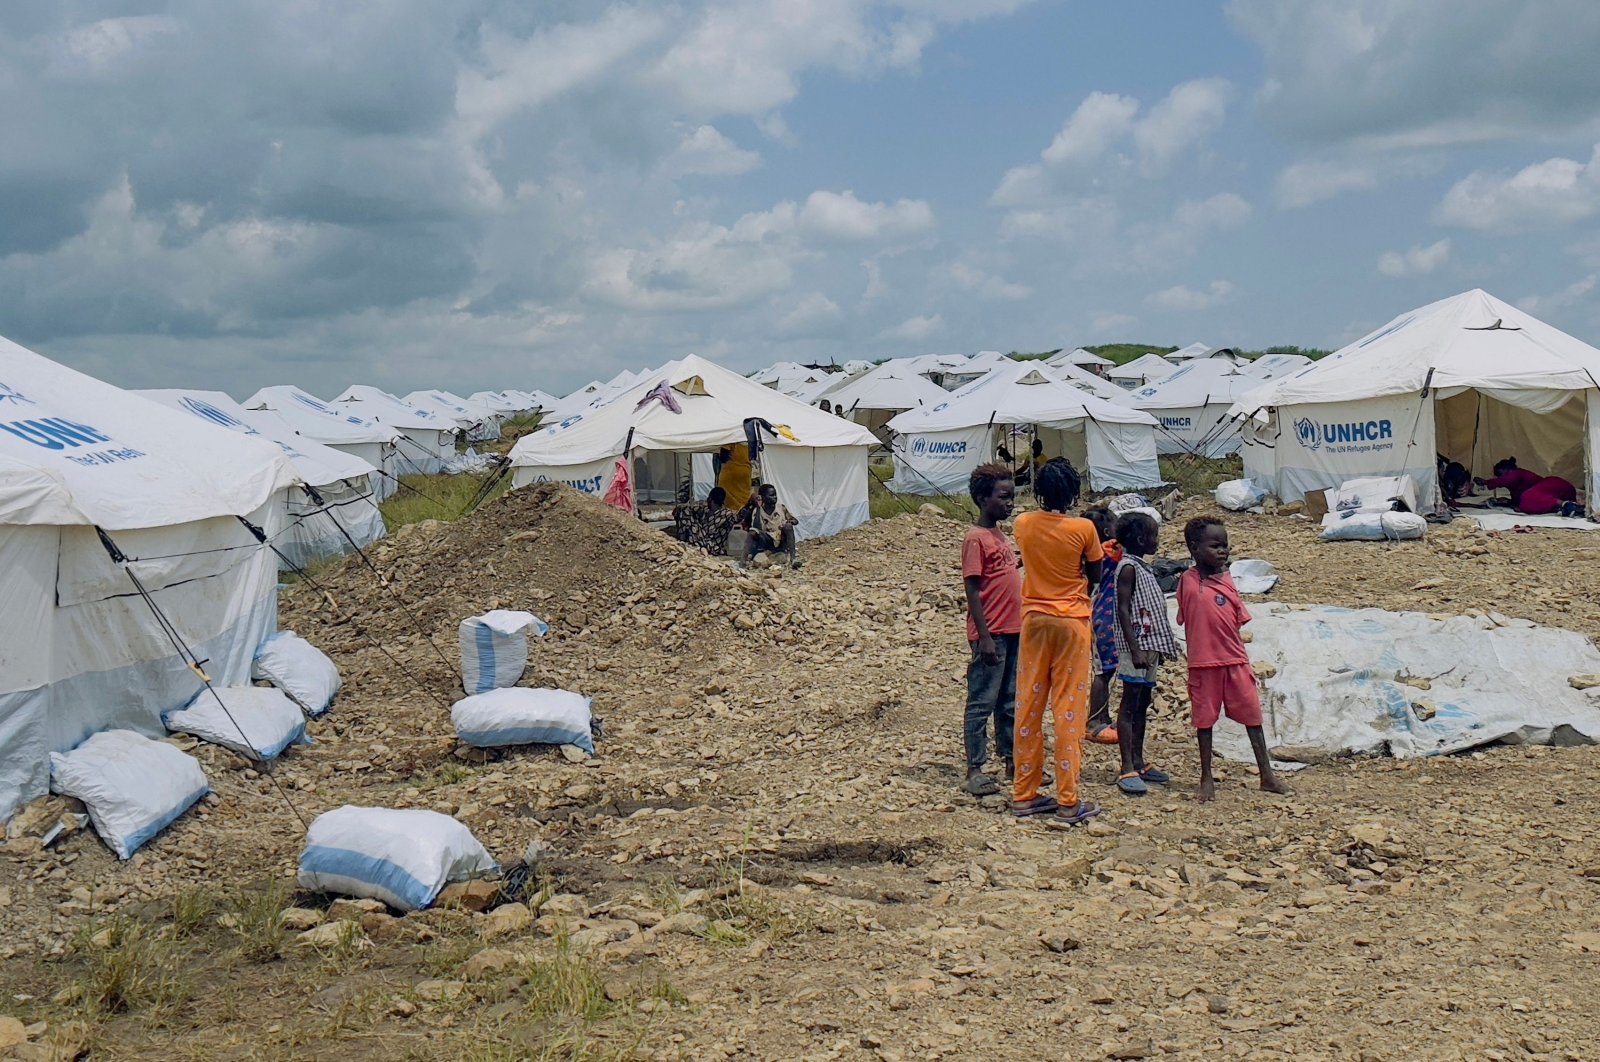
(994,625)
(1220,676)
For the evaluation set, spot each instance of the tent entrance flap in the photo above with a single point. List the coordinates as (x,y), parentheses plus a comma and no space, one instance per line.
(1479,430)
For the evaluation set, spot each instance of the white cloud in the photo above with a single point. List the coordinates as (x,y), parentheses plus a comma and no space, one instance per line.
(1418,261)
(1100,121)
(916,328)
(1184,299)
(1105,324)
(1546,195)
(706,152)
(1089,220)
(810,316)
(1303,184)
(1417,74)
(841,216)
(1191,112)
(985,285)
(1578,293)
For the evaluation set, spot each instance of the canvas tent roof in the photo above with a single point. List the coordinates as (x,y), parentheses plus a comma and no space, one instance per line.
(75,450)
(500,402)
(1023,393)
(1147,368)
(1084,380)
(1198,383)
(463,412)
(709,420)
(313,462)
(384,407)
(1190,352)
(1471,340)
(1078,356)
(777,371)
(315,419)
(888,387)
(1272,366)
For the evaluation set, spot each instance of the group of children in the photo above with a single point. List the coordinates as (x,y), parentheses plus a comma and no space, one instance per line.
(1080,608)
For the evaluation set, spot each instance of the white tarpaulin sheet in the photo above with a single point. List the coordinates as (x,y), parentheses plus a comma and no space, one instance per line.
(1410,685)
(1505,521)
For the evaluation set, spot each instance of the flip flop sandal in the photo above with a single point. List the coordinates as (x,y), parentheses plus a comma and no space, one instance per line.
(1037,806)
(1131,784)
(980,785)
(1155,776)
(1064,819)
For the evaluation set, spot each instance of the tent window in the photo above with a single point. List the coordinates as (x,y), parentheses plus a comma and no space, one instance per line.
(693,385)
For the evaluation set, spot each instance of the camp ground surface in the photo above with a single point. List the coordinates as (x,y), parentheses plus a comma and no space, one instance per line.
(770,858)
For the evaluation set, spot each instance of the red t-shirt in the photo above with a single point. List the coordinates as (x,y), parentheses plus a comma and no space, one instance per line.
(986,552)
(1211,613)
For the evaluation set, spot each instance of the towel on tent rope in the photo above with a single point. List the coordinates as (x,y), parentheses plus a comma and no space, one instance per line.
(620,494)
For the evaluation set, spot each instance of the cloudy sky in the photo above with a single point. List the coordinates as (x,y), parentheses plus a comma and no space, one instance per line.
(489,193)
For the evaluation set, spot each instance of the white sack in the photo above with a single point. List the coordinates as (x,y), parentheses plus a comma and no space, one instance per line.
(133,786)
(299,669)
(1372,527)
(1239,495)
(1376,494)
(494,648)
(400,857)
(1253,576)
(259,722)
(1349,681)
(524,717)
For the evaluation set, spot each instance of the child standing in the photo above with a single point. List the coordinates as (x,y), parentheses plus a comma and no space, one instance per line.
(1220,677)
(994,625)
(1061,558)
(1104,621)
(1144,640)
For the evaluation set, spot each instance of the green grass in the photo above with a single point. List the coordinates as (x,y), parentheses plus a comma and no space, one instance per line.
(1200,475)
(886,504)
(439,497)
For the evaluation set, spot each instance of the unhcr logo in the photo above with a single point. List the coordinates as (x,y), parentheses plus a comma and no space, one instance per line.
(1177,422)
(1313,435)
(217,416)
(923,448)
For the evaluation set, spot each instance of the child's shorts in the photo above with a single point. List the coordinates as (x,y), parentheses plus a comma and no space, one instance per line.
(1229,689)
(1138,676)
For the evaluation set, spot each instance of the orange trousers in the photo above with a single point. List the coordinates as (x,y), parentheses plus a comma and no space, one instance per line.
(1053,668)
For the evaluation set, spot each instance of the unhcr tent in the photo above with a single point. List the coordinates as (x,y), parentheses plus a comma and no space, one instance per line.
(1469,377)
(1189,353)
(1082,359)
(424,440)
(874,397)
(1141,371)
(817,461)
(99,487)
(503,402)
(330,511)
(1272,366)
(480,423)
(937,447)
(320,422)
(1084,380)
(778,370)
(1192,405)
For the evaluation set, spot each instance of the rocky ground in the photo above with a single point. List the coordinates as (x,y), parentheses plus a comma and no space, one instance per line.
(770,857)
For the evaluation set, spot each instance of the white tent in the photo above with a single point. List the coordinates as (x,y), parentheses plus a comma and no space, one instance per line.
(1190,352)
(777,371)
(1469,377)
(1084,380)
(425,440)
(1272,366)
(1081,358)
(542,400)
(937,447)
(820,474)
(320,422)
(84,468)
(874,397)
(480,423)
(856,367)
(1141,371)
(334,498)
(1192,407)
(807,388)
(503,402)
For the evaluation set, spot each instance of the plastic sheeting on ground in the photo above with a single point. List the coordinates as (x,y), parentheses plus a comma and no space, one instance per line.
(1408,684)
(1506,521)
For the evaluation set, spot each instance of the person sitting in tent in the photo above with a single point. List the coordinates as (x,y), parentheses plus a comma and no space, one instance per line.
(734,476)
(770,524)
(706,525)
(1531,493)
(1455,482)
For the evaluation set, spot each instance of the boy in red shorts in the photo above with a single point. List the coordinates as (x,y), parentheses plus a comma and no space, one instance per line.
(1220,677)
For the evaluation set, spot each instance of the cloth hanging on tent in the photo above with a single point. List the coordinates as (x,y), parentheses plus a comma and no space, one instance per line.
(620,494)
(663,394)
(734,476)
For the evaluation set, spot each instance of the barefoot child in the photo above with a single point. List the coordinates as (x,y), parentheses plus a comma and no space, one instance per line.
(1104,619)
(1144,640)
(1220,677)
(994,623)
(1061,558)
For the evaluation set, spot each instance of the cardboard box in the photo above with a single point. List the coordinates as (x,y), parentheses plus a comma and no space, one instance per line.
(1316,505)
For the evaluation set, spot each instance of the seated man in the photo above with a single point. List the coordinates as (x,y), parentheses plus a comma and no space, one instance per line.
(706,525)
(771,525)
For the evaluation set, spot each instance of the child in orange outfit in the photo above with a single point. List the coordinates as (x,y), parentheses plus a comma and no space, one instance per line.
(1061,561)
(1221,679)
